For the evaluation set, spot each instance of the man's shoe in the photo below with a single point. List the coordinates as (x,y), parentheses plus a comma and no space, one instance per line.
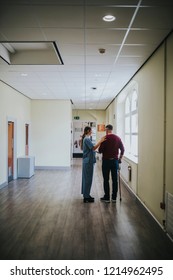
(114,198)
(105,199)
(88,199)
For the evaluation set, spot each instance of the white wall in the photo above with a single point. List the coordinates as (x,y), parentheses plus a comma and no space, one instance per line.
(51,133)
(15,107)
(50,130)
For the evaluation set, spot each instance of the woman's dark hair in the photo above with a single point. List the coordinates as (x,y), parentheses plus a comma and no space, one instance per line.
(87,129)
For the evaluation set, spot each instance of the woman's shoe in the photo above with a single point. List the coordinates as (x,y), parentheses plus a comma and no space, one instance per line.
(88,199)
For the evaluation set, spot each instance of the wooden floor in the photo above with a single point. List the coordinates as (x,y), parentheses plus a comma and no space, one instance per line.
(44,217)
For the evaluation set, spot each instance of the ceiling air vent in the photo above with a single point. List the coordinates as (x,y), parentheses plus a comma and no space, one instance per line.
(30,53)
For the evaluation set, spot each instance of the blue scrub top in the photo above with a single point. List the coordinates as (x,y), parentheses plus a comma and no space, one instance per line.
(88,152)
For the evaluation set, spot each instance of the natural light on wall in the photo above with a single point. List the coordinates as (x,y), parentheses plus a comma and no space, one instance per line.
(127,120)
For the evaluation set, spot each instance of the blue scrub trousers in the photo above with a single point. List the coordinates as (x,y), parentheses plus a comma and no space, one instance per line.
(87,177)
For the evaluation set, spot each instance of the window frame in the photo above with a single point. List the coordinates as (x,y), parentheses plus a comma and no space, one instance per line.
(131,97)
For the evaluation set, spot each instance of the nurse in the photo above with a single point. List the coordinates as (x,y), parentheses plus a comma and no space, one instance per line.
(88,162)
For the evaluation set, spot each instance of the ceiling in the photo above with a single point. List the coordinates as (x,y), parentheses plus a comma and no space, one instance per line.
(90,79)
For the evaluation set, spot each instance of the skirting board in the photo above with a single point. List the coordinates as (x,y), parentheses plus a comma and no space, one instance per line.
(127,186)
(3,185)
(52,167)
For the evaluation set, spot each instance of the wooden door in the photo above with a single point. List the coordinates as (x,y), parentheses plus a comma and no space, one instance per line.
(10,150)
(26,139)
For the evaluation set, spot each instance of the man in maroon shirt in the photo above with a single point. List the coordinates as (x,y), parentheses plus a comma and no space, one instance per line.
(112,150)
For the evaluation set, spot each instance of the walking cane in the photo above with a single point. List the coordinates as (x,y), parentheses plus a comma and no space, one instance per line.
(119,167)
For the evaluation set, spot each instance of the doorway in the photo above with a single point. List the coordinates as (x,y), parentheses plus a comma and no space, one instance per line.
(26,139)
(10,150)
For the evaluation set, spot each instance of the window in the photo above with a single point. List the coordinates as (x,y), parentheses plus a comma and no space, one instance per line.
(127,119)
(131,124)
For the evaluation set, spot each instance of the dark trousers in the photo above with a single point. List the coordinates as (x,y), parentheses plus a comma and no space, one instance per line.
(110,166)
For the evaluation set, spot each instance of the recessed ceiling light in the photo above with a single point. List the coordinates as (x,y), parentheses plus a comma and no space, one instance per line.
(109,18)
(24,74)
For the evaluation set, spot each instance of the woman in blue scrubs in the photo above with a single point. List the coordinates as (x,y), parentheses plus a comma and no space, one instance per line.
(88,162)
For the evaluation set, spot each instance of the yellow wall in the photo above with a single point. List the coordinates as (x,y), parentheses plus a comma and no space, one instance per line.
(150,80)
(111,116)
(155,102)
(169,115)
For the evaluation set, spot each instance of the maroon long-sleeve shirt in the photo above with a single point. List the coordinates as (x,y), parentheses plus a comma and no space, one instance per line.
(111,147)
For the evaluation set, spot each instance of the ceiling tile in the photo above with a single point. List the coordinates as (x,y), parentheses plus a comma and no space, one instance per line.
(153,37)
(54,16)
(64,36)
(21,34)
(104,36)
(154,18)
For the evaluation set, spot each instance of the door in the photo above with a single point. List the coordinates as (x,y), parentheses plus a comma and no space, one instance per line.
(26,139)
(10,150)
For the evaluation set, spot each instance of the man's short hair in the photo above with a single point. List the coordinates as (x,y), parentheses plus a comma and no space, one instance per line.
(109,127)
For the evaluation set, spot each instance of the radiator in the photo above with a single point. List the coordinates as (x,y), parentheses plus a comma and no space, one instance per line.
(169,214)
(126,171)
